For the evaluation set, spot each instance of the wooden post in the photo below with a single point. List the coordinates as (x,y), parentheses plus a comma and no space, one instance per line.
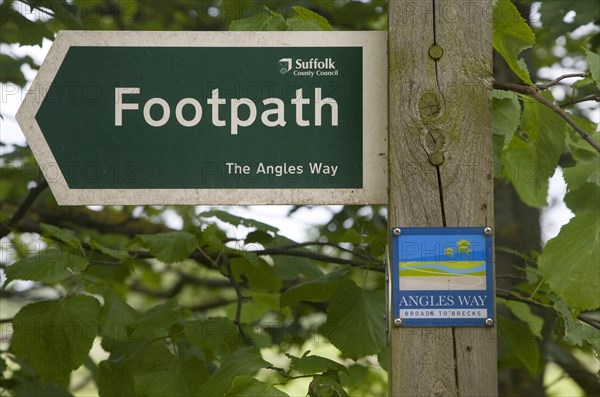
(440,154)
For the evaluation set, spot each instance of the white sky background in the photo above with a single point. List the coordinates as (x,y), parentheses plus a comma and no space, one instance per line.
(298,225)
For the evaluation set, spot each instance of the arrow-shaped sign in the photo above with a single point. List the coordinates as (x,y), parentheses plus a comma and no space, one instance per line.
(211,118)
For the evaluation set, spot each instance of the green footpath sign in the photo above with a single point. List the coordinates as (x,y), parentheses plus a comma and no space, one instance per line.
(211,118)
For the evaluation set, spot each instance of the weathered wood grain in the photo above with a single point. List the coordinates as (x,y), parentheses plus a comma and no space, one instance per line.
(441,114)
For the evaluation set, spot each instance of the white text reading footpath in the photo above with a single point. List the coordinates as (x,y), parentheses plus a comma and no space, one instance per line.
(273,110)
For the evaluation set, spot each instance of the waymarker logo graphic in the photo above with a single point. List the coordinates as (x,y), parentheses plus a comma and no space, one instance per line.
(285,65)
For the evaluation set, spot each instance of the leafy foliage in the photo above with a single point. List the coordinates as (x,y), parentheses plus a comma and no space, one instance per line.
(48,266)
(354,320)
(521,342)
(169,247)
(532,154)
(512,35)
(573,256)
(58,332)
(563,279)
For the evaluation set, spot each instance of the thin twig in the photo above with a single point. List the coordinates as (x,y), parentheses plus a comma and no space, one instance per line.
(591,97)
(519,298)
(589,321)
(533,92)
(511,276)
(555,381)
(202,307)
(240,301)
(319,257)
(543,86)
(365,256)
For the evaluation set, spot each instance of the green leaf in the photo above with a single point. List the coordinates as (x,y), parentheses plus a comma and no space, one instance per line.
(61,235)
(266,20)
(506,114)
(593,61)
(289,267)
(521,342)
(246,386)
(169,247)
(259,274)
(530,160)
(583,172)
(35,387)
(151,369)
(238,220)
(156,322)
(576,333)
(118,252)
(585,200)
(116,317)
(16,28)
(307,365)
(512,35)
(243,362)
(56,332)
(569,262)
(327,385)
(259,236)
(217,334)
(267,300)
(115,379)
(580,148)
(213,239)
(10,69)
(352,236)
(317,290)
(171,377)
(305,19)
(354,320)
(51,266)
(586,81)
(523,312)
(497,147)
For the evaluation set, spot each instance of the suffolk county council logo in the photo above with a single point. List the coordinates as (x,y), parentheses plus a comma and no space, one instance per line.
(285,65)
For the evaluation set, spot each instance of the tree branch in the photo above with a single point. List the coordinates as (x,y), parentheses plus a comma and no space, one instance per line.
(34,192)
(533,92)
(319,257)
(209,258)
(240,300)
(182,281)
(365,256)
(502,293)
(212,305)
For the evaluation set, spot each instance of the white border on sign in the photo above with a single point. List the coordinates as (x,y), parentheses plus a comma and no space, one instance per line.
(375,117)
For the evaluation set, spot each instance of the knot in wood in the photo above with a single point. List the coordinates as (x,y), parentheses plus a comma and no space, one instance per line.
(430,105)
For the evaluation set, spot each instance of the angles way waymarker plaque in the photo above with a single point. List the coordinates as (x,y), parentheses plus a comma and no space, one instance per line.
(211,117)
(442,277)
